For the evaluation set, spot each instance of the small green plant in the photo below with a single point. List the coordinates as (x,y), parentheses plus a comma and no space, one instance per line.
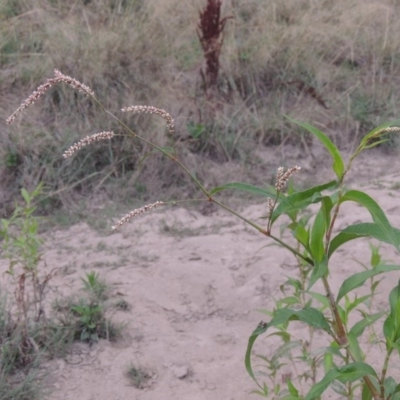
(86,318)
(95,287)
(90,317)
(21,246)
(342,363)
(137,377)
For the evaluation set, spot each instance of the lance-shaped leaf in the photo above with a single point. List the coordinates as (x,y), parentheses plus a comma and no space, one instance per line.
(358,279)
(320,269)
(356,231)
(310,316)
(321,223)
(245,187)
(359,327)
(376,212)
(348,373)
(338,164)
(301,200)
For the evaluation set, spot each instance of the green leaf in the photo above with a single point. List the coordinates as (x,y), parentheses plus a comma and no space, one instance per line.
(302,236)
(366,229)
(321,223)
(292,389)
(310,316)
(348,373)
(359,327)
(377,214)
(394,302)
(338,164)
(355,346)
(321,298)
(357,301)
(394,298)
(261,328)
(366,393)
(26,196)
(328,361)
(301,200)
(358,279)
(389,331)
(390,386)
(270,192)
(320,269)
(317,237)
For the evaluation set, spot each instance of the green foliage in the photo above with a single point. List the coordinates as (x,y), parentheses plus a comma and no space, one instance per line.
(21,247)
(26,333)
(95,287)
(344,362)
(90,317)
(87,318)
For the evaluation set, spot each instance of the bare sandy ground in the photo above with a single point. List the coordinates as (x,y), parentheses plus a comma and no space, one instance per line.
(193,283)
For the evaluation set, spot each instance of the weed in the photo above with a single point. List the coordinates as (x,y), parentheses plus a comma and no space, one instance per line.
(90,317)
(85,318)
(122,305)
(342,362)
(137,377)
(96,288)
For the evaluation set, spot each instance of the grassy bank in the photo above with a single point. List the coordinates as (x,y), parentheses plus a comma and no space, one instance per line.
(333,64)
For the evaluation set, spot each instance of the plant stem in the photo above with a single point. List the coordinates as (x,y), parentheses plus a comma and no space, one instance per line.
(174,158)
(384,371)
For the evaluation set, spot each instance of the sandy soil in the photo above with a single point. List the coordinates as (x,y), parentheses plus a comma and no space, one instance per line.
(193,283)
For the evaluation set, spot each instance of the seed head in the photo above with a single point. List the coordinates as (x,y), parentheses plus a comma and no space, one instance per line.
(271,205)
(153,110)
(135,213)
(282,177)
(42,89)
(391,129)
(87,140)
(73,82)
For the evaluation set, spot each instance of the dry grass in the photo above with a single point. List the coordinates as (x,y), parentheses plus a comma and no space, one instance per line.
(333,64)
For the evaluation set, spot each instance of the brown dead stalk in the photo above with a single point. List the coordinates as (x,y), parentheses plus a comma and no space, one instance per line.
(210,33)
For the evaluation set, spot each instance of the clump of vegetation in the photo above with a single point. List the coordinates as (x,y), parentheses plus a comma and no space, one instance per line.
(346,368)
(138,377)
(24,329)
(85,317)
(27,333)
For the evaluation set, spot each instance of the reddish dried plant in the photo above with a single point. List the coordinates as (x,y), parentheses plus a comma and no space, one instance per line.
(210,32)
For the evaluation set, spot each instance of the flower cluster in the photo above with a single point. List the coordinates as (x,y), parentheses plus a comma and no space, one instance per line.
(391,129)
(271,205)
(153,110)
(87,140)
(282,177)
(72,82)
(41,90)
(135,213)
